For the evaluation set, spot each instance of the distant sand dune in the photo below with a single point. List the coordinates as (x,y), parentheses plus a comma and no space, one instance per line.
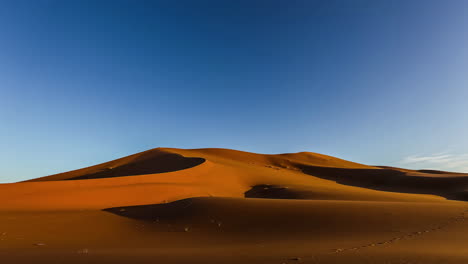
(393,180)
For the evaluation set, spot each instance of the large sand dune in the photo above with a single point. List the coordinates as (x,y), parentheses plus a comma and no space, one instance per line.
(225,206)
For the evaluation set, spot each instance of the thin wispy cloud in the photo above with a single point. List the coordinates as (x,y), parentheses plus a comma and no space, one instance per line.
(439,161)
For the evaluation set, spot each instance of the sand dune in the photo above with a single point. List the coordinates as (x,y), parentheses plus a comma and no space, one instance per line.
(148,162)
(226,206)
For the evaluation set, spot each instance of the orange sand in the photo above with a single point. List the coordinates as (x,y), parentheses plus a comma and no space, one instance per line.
(227,206)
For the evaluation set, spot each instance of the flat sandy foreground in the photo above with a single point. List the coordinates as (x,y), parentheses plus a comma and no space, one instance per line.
(227,206)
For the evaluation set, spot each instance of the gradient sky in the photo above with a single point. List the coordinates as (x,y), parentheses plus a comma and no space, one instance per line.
(377,82)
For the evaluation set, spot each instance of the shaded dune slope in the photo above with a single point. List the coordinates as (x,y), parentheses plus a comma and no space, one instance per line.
(396,180)
(147,162)
(331,218)
(427,173)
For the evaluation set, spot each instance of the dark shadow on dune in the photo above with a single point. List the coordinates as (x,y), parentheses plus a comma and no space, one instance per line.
(216,216)
(160,163)
(177,216)
(271,192)
(440,172)
(393,180)
(156,212)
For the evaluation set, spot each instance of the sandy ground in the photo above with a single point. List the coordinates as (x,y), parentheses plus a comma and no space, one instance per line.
(227,206)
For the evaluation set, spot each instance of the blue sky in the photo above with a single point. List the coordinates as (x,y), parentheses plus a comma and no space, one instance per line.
(377,82)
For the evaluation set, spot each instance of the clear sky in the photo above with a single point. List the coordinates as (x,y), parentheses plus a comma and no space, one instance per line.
(378,82)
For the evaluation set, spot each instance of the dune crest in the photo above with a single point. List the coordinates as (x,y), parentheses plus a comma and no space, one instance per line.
(147,162)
